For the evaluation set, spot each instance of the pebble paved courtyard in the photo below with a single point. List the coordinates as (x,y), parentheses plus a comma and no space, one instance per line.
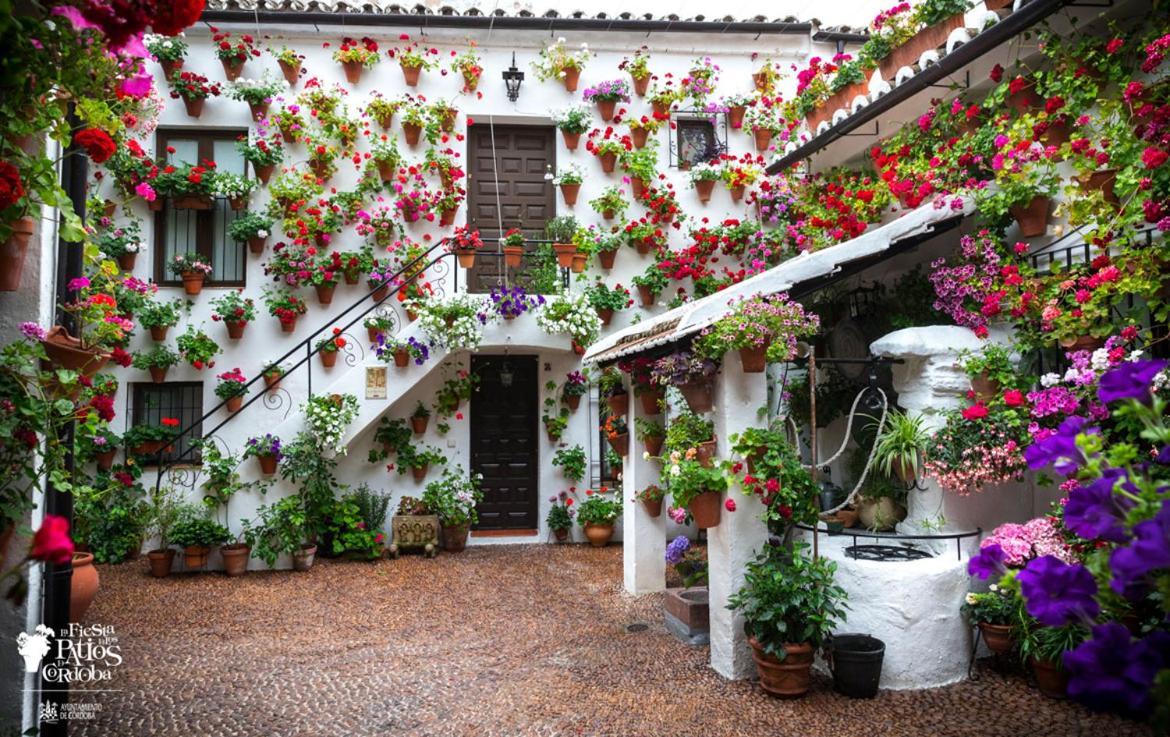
(515,640)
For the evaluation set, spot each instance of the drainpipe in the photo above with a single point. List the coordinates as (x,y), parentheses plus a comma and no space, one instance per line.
(58,578)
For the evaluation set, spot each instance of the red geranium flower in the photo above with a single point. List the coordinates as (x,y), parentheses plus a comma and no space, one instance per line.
(975,412)
(97,143)
(52,543)
(11,188)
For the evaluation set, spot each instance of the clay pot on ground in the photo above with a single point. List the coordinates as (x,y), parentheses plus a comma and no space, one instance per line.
(704,188)
(571,78)
(706,509)
(13,253)
(599,535)
(789,678)
(653,507)
(303,558)
(410,75)
(454,538)
(754,360)
(561,534)
(569,192)
(698,395)
(161,562)
(194,107)
(235,559)
(1051,679)
(83,586)
(1032,217)
(193,282)
(998,637)
(66,352)
(195,556)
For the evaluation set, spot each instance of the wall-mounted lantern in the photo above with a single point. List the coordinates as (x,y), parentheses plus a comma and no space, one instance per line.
(512,79)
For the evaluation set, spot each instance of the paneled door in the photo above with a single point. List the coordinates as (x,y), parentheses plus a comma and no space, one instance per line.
(504,441)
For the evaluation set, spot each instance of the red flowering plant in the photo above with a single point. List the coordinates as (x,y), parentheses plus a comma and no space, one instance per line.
(414,55)
(465,238)
(326,271)
(980,445)
(234,51)
(190,86)
(986,282)
(284,305)
(640,371)
(812,88)
(469,65)
(645,235)
(414,199)
(100,326)
(233,307)
(607,141)
(97,144)
(662,205)
(186,180)
(231,384)
(837,206)
(197,348)
(364,52)
(332,343)
(444,163)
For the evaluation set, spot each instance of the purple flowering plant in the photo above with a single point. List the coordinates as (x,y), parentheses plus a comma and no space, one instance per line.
(385,347)
(263,445)
(612,90)
(512,302)
(688,561)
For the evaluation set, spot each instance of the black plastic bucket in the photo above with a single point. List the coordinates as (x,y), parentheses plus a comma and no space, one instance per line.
(857,665)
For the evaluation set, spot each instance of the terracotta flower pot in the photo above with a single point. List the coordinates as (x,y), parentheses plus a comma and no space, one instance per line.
(466,257)
(289,325)
(353,71)
(620,444)
(572,401)
(1033,217)
(998,637)
(447,124)
(1051,679)
(1025,100)
(661,109)
(13,253)
(605,108)
(572,140)
(564,252)
(706,509)
(159,334)
(328,358)
(411,75)
(737,193)
(735,116)
(271,380)
(66,352)
(513,255)
(763,138)
(1103,182)
(599,535)
(192,202)
(705,453)
(653,445)
(637,186)
(83,586)
(646,295)
(619,404)
(158,374)
(150,448)
(985,387)
(606,259)
(639,136)
(606,314)
(235,328)
(650,399)
(161,562)
(232,68)
(170,67)
(127,261)
(419,472)
(105,459)
(580,261)
(195,556)
(454,537)
(411,131)
(570,77)
(233,404)
(561,534)
(380,293)
(754,360)
(909,53)
(608,161)
(760,81)
(447,216)
(292,73)
(401,358)
(259,110)
(789,678)
(569,192)
(193,282)
(194,107)
(1082,343)
(577,347)
(641,85)
(698,395)
(303,558)
(267,464)
(419,424)
(235,559)
(256,245)
(653,507)
(704,188)
(325,293)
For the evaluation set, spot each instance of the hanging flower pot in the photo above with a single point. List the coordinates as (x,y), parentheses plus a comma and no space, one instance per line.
(580,261)
(706,509)
(328,358)
(1025,99)
(256,245)
(192,202)
(577,347)
(419,472)
(698,395)
(259,110)
(735,116)
(380,293)
(998,637)
(155,205)
(194,107)
(159,333)
(569,192)
(410,74)
(570,76)
(619,404)
(193,282)
(238,203)
(605,108)
(653,446)
(386,171)
(288,324)
(272,380)
(513,255)
(13,253)
(985,387)
(641,85)
(170,67)
(763,138)
(1033,217)
(232,68)
(606,259)
(353,71)
(620,444)
(760,80)
(754,360)
(323,170)
(608,161)
(564,252)
(447,216)
(646,295)
(109,208)
(127,260)
(267,463)
(233,404)
(158,374)
(373,334)
(572,401)
(235,328)
(411,315)
(737,193)
(402,360)
(466,257)
(571,139)
(661,109)
(325,293)
(447,122)
(637,186)
(291,72)
(1102,181)
(151,448)
(705,453)
(704,188)
(411,131)
(419,424)
(606,314)
(1082,343)
(651,398)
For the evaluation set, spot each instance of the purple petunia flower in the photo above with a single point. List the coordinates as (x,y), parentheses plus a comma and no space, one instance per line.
(1149,551)
(1113,672)
(1094,512)
(1057,593)
(989,562)
(1129,380)
(1060,448)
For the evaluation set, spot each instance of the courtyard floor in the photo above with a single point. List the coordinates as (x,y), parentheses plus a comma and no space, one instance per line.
(515,640)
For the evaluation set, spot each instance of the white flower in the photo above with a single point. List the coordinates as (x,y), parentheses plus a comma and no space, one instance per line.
(1049,380)
(971,599)
(645,455)
(675,470)
(1135,355)
(994,587)
(262,233)
(1071,375)
(560,40)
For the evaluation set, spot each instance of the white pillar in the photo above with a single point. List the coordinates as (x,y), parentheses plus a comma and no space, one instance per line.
(643,536)
(740,534)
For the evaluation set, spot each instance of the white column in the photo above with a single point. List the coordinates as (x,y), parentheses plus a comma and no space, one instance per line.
(643,536)
(740,534)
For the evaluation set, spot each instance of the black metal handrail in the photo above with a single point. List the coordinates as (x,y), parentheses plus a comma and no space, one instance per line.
(958,537)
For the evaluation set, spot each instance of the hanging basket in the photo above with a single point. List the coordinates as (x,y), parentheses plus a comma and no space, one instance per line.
(735,117)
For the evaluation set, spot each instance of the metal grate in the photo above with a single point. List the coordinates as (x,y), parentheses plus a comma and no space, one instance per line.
(182,400)
(204,232)
(695,137)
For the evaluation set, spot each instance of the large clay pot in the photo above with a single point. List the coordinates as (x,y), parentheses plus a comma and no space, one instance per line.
(83,586)
(619,404)
(1051,679)
(13,252)
(66,352)
(599,535)
(880,514)
(754,360)
(789,678)
(1033,217)
(706,509)
(454,538)
(161,562)
(698,395)
(235,559)
(570,78)
(195,556)
(998,637)
(303,558)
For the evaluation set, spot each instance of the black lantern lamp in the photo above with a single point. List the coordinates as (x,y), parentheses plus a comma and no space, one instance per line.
(512,79)
(506,375)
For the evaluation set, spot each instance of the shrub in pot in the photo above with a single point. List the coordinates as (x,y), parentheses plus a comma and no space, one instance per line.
(454,498)
(1043,648)
(790,604)
(994,612)
(560,516)
(159,317)
(572,462)
(157,360)
(597,515)
(197,533)
(162,517)
(280,529)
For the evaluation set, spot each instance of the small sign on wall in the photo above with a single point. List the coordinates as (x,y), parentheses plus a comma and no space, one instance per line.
(375,382)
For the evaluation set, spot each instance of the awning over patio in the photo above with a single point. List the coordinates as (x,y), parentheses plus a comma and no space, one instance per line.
(910,229)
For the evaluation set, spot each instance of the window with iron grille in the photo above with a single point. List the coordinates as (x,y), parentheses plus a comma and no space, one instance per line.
(201,231)
(180,400)
(696,137)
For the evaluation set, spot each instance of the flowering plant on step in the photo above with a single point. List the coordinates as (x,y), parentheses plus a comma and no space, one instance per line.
(570,313)
(456,322)
(512,302)
(771,322)
(327,417)
(386,347)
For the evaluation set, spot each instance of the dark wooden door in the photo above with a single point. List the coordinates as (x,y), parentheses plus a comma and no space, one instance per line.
(504,441)
(511,161)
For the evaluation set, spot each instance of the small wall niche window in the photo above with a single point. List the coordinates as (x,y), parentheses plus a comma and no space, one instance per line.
(698,137)
(181,400)
(201,231)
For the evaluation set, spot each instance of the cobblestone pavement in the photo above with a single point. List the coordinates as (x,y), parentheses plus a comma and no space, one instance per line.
(515,640)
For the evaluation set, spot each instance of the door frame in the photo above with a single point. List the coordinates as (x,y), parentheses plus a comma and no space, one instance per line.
(534,425)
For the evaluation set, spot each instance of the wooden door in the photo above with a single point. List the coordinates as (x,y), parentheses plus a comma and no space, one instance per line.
(504,441)
(514,169)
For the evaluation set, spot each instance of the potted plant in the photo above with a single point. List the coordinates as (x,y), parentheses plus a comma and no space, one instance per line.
(281,529)
(572,122)
(233,54)
(156,360)
(285,307)
(1044,647)
(192,268)
(569,178)
(638,67)
(607,300)
(402,351)
(650,284)
(790,604)
(159,317)
(418,462)
(991,370)
(651,433)
(263,154)
(454,498)
(232,388)
(413,58)
(465,243)
(641,128)
(197,533)
(764,123)
(162,516)
(607,146)
(355,56)
(193,89)
(456,322)
(272,373)
(570,313)
(328,348)
(419,418)
(513,247)
(575,387)
(251,228)
(617,432)
(560,231)
(122,243)
(560,516)
(258,93)
(512,302)
(101,445)
(572,462)
(610,204)
(900,446)
(696,488)
(651,498)
(469,66)
(611,387)
(691,373)
(150,440)
(995,613)
(414,119)
(597,515)
(168,51)
(266,450)
(557,61)
(641,167)
(607,95)
(197,349)
(762,328)
(688,431)
(703,177)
